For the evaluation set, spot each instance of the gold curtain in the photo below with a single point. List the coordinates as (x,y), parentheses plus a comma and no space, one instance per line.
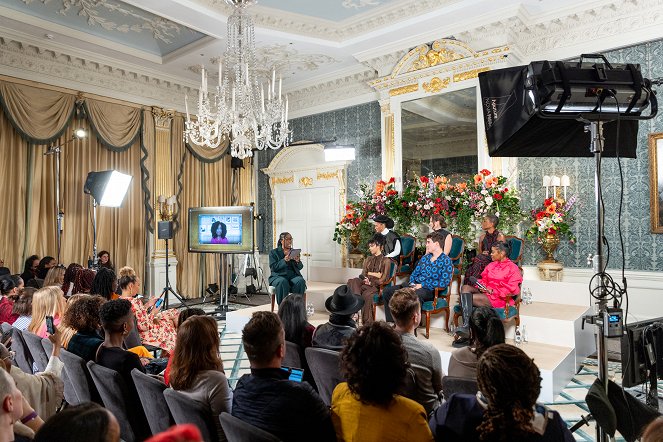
(13,178)
(41,114)
(117,125)
(203,184)
(389,154)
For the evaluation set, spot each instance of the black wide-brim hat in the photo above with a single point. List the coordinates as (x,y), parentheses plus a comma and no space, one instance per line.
(344,302)
(384,219)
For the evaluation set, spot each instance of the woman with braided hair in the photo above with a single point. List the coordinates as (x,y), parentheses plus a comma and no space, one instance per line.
(69,277)
(83,281)
(505,407)
(104,284)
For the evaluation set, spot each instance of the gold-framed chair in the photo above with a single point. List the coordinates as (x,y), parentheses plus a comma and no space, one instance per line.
(377,298)
(406,259)
(507,314)
(456,256)
(439,304)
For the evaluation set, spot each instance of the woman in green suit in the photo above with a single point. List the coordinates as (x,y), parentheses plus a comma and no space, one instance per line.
(286,274)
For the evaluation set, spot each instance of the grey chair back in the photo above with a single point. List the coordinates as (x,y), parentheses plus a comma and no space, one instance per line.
(133,338)
(151,396)
(36,350)
(187,411)
(80,379)
(113,392)
(237,430)
(23,356)
(292,358)
(6,326)
(454,384)
(69,392)
(325,366)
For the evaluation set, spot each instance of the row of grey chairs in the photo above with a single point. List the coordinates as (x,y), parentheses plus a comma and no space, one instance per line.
(325,366)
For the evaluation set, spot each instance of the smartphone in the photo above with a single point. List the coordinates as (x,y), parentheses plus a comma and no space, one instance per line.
(50,327)
(294,253)
(158,303)
(295,374)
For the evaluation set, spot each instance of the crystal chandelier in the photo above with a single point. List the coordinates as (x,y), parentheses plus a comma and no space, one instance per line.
(239,107)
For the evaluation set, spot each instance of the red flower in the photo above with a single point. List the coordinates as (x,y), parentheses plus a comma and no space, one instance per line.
(484,172)
(548,202)
(424,179)
(540,215)
(506,190)
(392,180)
(404,204)
(497,196)
(391,192)
(552,231)
(438,200)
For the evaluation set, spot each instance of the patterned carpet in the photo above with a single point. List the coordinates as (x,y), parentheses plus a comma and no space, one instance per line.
(570,403)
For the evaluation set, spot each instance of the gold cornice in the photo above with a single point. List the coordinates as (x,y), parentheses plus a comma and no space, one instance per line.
(306,181)
(404,89)
(436,85)
(435,57)
(385,108)
(283,179)
(162,117)
(469,74)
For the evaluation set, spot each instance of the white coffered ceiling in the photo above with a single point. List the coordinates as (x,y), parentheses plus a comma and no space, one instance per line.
(318,46)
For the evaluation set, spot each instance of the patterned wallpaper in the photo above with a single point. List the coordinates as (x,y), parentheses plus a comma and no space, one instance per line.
(357,125)
(643,250)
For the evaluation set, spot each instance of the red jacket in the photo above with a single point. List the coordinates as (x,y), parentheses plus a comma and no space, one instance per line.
(503,278)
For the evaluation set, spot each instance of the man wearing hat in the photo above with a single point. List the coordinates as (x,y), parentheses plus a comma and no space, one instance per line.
(342,305)
(383,225)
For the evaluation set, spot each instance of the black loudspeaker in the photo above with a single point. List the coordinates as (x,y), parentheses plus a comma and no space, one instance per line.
(165,230)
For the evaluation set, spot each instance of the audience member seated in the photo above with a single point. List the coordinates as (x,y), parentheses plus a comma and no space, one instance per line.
(178,433)
(105,261)
(23,308)
(155,327)
(17,418)
(104,283)
(82,315)
(48,301)
(55,276)
(69,278)
(30,268)
(486,242)
(505,408)
(8,291)
(342,305)
(392,240)
(374,272)
(437,225)
(292,312)
(18,282)
(433,270)
(83,281)
(117,320)
(424,358)
(87,422)
(486,330)
(501,278)
(44,391)
(286,276)
(197,370)
(266,398)
(45,264)
(654,431)
(184,315)
(368,407)
(4,271)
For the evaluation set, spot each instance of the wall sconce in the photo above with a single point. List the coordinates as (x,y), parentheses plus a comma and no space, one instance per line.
(166,207)
(556,182)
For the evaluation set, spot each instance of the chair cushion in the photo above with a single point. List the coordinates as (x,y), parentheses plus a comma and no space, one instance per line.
(456,246)
(405,268)
(407,244)
(516,246)
(428,305)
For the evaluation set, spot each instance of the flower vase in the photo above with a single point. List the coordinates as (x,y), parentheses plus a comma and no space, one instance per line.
(354,242)
(549,245)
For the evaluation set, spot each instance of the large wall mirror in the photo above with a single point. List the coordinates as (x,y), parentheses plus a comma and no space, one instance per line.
(439,135)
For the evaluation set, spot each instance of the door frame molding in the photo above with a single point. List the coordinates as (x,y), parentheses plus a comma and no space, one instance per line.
(301,167)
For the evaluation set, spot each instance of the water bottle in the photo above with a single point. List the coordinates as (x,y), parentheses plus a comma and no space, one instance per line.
(518,338)
(525,337)
(310,310)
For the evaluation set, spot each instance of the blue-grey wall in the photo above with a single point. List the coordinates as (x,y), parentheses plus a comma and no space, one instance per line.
(356,125)
(643,250)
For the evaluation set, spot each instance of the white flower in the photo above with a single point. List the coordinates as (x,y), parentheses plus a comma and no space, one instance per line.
(489,200)
(448,198)
(410,204)
(466,203)
(426,206)
(484,192)
(497,214)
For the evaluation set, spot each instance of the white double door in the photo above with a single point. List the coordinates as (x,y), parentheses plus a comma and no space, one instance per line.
(310,215)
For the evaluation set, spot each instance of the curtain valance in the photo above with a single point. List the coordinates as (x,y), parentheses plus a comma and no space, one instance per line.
(38,115)
(115,125)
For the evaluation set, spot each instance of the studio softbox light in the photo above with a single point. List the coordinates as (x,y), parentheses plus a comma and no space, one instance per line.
(541,110)
(107,187)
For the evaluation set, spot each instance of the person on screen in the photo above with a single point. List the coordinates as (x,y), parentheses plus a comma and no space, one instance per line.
(219,231)
(286,274)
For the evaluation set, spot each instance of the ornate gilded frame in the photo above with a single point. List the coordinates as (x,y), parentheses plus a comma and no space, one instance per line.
(656,181)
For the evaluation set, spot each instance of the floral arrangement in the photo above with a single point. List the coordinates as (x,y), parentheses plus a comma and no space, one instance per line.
(462,204)
(553,219)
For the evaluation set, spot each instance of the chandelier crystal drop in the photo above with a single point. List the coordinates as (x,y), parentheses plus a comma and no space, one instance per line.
(239,107)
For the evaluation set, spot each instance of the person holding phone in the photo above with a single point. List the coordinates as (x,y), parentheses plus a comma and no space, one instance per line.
(285,264)
(500,279)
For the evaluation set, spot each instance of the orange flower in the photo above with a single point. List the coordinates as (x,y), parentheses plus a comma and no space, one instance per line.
(437,180)
(491,182)
(442,187)
(551,208)
(461,186)
(478,178)
(379,187)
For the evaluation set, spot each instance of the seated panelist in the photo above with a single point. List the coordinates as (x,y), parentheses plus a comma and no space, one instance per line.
(286,269)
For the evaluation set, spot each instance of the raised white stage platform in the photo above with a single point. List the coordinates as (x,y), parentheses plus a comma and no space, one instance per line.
(552,323)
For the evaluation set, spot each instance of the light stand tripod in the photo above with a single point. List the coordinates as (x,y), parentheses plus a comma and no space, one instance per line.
(220,312)
(168,288)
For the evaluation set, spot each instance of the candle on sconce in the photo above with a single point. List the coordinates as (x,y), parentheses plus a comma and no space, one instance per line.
(186,107)
(286,109)
(172,201)
(220,73)
(161,199)
(233,100)
(554,182)
(273,79)
(546,183)
(262,98)
(566,182)
(280,79)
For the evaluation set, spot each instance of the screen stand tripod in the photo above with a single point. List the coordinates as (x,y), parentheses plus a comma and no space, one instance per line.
(168,288)
(223,308)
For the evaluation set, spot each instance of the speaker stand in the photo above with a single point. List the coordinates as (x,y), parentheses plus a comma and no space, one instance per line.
(222,309)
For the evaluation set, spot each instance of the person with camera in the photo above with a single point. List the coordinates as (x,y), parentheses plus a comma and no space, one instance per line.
(374,272)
